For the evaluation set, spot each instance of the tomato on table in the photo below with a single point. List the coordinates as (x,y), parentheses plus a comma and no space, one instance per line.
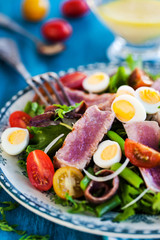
(56,30)
(40,170)
(35,10)
(73,80)
(19,119)
(74,8)
(67,180)
(141,155)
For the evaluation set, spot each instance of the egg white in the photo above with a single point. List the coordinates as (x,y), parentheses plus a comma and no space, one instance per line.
(99,87)
(106,163)
(126,89)
(140,113)
(13,149)
(150,108)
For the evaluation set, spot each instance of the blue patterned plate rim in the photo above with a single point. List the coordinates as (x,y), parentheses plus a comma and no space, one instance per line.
(107,228)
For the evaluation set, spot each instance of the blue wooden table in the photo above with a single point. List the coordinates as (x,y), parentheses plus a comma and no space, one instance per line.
(87,44)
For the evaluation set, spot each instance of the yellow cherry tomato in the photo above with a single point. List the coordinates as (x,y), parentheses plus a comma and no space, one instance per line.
(67,180)
(35,10)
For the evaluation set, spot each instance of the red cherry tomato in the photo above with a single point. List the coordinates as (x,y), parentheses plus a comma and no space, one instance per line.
(56,30)
(40,170)
(141,155)
(73,80)
(19,119)
(139,78)
(74,8)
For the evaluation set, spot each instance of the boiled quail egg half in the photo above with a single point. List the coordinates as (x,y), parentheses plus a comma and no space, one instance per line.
(125,89)
(150,98)
(107,153)
(128,109)
(96,83)
(14,140)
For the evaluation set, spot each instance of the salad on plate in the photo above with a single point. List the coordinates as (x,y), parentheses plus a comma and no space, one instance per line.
(100,154)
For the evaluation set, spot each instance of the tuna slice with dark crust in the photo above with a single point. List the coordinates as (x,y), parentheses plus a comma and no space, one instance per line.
(80,145)
(147,133)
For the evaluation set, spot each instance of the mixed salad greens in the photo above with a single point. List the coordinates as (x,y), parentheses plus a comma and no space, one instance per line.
(105,184)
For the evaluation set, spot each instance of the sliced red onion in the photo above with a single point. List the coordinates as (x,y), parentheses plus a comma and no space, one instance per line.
(109,177)
(53,142)
(66,125)
(136,199)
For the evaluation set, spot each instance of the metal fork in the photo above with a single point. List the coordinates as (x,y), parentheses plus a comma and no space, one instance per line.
(9,54)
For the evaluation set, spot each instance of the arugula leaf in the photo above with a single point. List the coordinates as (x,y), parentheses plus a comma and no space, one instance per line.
(34,237)
(75,206)
(79,206)
(63,109)
(118,79)
(33,109)
(128,212)
(132,64)
(44,135)
(156,203)
(4,225)
(11,206)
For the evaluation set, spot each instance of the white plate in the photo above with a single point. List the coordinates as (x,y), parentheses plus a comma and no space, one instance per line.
(13,180)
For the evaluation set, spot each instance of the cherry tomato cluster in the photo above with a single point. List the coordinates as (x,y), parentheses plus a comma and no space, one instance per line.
(60,29)
(54,29)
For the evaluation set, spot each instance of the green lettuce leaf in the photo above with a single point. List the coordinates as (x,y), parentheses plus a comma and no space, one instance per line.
(44,135)
(132,64)
(34,109)
(118,79)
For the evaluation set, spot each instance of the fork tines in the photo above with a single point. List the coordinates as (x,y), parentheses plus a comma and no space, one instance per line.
(49,78)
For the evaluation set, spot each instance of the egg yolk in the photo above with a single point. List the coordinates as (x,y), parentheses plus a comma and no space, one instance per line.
(17,137)
(149,96)
(109,152)
(124,110)
(96,79)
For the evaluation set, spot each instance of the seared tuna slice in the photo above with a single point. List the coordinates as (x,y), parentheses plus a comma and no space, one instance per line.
(91,99)
(80,145)
(146,132)
(76,96)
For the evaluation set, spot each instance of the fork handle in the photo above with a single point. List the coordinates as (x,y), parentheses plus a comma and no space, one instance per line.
(22,71)
(8,23)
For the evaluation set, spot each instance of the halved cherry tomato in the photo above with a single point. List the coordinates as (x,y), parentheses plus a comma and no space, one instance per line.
(19,119)
(73,80)
(67,180)
(56,30)
(74,8)
(140,155)
(139,78)
(40,170)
